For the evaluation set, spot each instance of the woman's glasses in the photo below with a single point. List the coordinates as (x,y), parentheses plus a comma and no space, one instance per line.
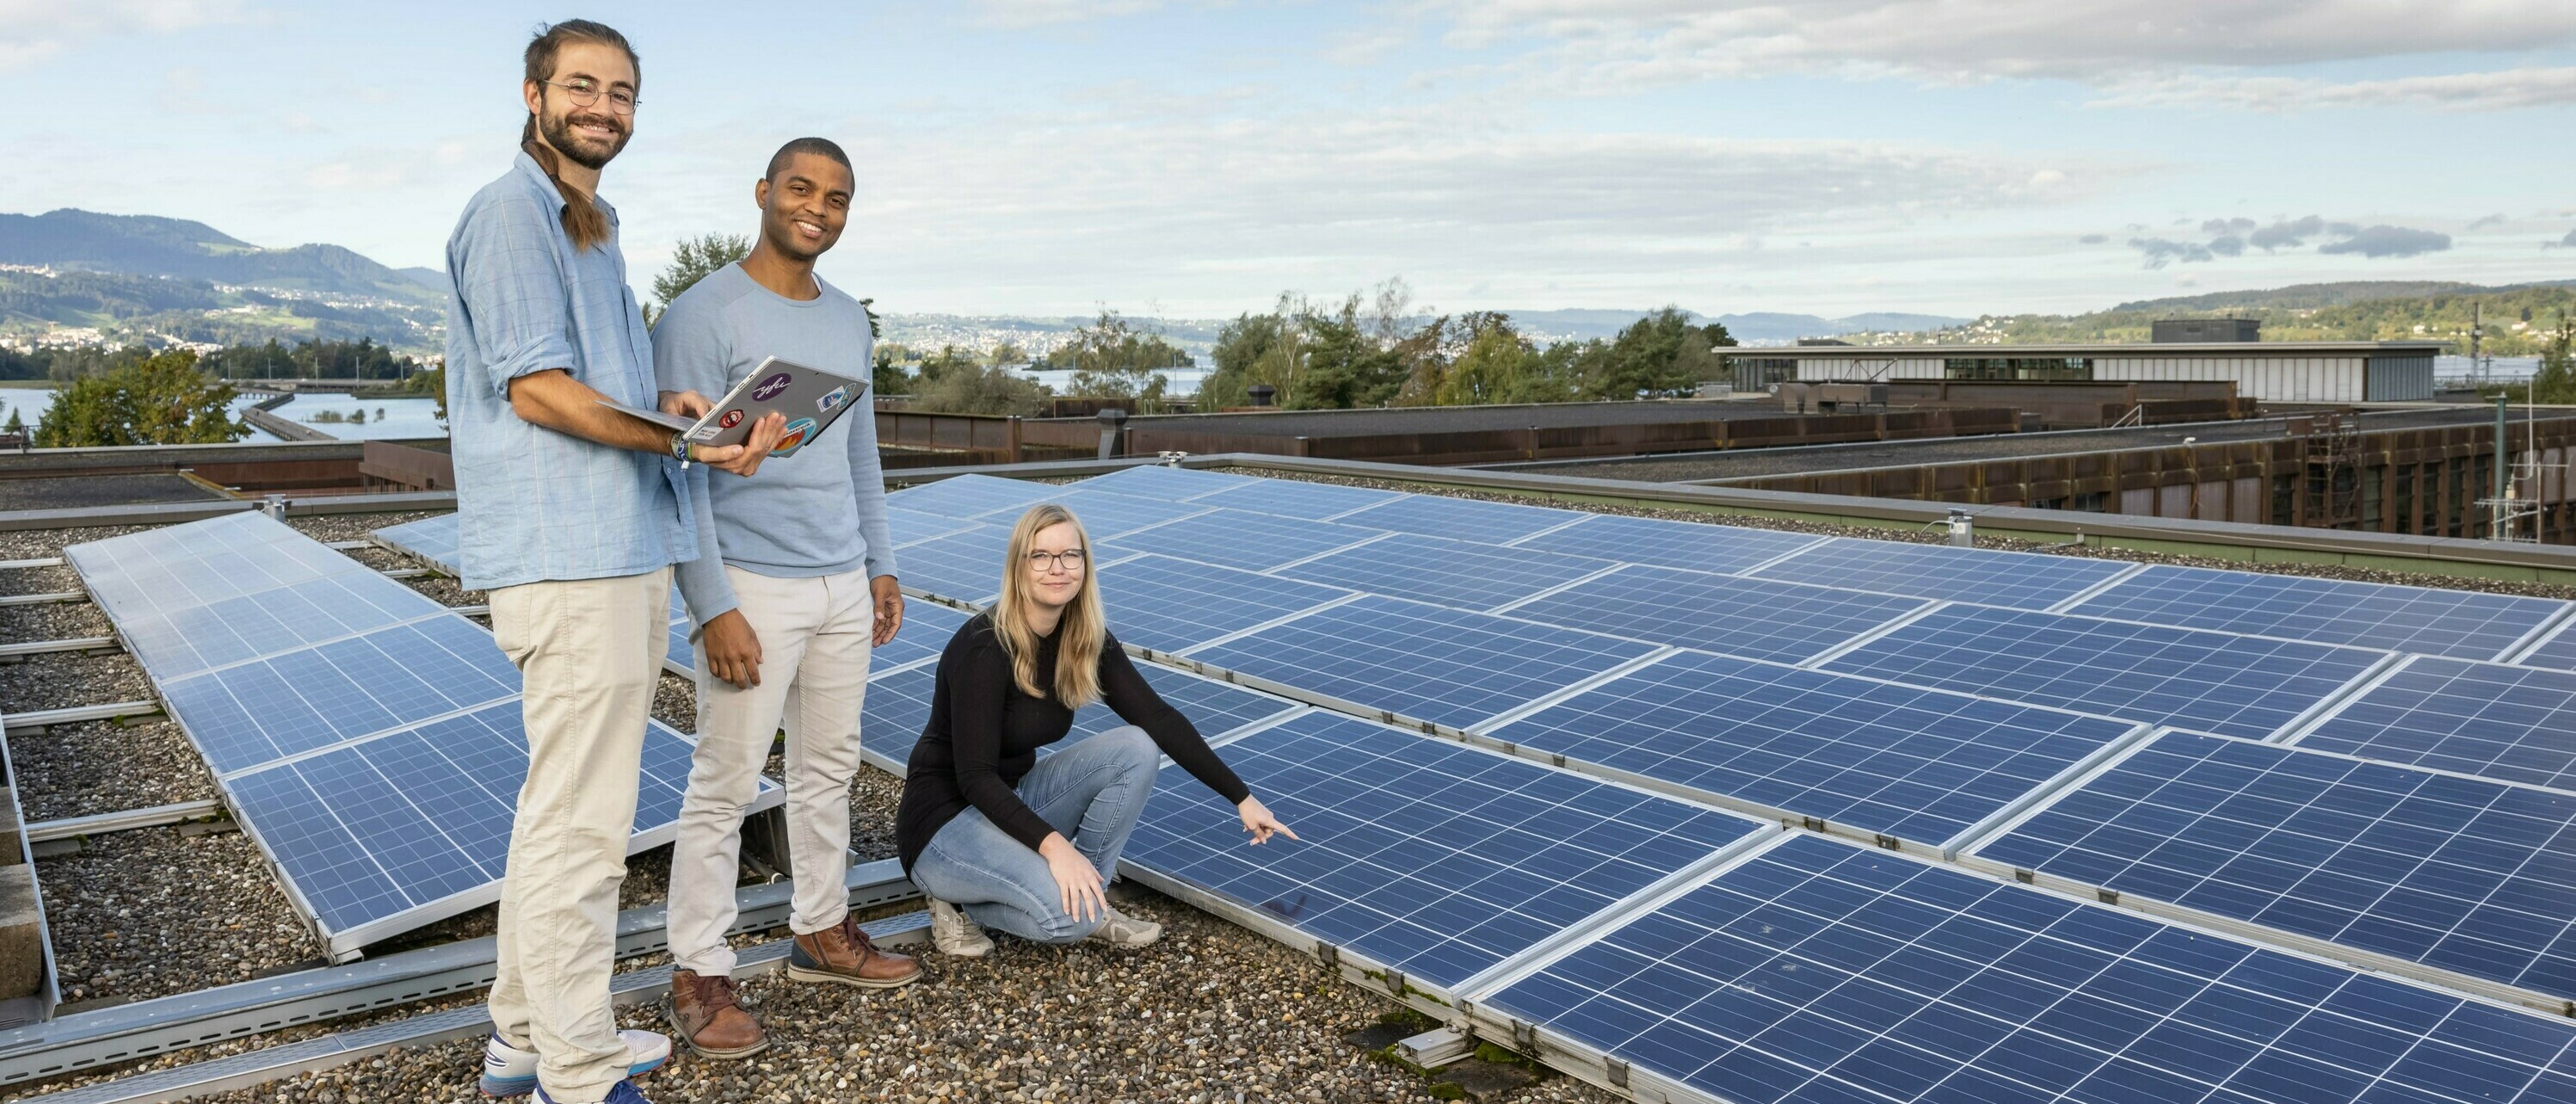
(1067,560)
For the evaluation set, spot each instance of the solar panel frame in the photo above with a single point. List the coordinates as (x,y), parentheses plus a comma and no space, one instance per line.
(1296,498)
(1459,574)
(1164,481)
(964,496)
(1909,981)
(1735,615)
(1244,539)
(2292,878)
(2019,580)
(434,540)
(2461,624)
(295,703)
(1473,520)
(1104,514)
(2488,720)
(1659,542)
(2196,678)
(2555,651)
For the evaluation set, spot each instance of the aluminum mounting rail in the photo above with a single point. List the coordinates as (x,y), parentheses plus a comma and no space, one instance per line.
(123,821)
(113,711)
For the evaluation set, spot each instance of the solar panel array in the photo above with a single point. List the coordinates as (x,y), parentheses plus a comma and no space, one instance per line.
(1978,709)
(366,738)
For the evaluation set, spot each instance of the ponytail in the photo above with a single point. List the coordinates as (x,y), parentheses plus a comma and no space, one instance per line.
(583,221)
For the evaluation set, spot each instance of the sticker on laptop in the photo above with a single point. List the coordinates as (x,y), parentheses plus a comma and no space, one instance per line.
(730,419)
(769,388)
(832,398)
(794,438)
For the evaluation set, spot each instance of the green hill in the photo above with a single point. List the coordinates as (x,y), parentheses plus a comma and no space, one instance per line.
(2517,316)
(143,245)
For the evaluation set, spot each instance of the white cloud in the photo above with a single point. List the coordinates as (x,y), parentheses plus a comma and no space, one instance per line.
(34,31)
(2495,91)
(1021,14)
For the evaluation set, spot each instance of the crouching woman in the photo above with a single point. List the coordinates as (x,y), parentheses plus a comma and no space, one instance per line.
(995,836)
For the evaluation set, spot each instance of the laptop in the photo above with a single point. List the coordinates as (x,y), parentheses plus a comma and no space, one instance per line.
(811,398)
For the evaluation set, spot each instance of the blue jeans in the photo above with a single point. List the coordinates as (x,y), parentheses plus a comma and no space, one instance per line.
(1092,791)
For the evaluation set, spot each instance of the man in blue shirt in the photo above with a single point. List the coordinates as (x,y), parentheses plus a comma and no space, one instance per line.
(571,515)
(793,584)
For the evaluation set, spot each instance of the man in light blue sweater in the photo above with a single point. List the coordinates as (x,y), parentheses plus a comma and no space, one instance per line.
(795,582)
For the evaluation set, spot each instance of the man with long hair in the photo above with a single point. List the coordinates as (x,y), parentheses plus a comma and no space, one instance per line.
(570,514)
(793,585)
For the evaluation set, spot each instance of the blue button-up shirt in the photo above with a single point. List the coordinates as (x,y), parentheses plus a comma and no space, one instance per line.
(533,503)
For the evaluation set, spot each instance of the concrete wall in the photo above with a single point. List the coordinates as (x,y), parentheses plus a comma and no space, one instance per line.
(2309,379)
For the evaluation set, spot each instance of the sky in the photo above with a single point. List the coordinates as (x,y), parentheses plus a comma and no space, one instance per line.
(1194,158)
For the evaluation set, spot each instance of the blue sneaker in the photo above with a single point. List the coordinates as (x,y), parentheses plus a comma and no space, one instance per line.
(510,1071)
(624,1092)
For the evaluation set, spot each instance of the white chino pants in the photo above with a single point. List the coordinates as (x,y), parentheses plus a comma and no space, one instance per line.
(814,644)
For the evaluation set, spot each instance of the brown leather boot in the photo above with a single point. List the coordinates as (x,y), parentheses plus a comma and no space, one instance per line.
(843,954)
(710,1018)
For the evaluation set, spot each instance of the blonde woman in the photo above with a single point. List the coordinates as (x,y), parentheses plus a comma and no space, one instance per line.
(991,834)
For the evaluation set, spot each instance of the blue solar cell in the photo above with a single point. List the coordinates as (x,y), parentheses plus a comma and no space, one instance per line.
(1167,604)
(1731,615)
(1697,546)
(1822,973)
(1296,498)
(1432,857)
(910,527)
(2463,624)
(1104,515)
(926,629)
(1448,572)
(432,539)
(1447,666)
(2557,652)
(964,566)
(679,651)
(1241,538)
(2461,874)
(960,496)
(2209,681)
(163,571)
(2486,719)
(1921,765)
(2022,580)
(1164,482)
(898,708)
(296,615)
(1466,519)
(255,713)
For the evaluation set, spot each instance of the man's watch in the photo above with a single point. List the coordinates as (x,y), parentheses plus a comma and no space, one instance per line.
(681,449)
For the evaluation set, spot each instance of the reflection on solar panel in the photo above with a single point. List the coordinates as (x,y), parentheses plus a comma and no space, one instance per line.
(1296,498)
(898,708)
(1241,538)
(432,539)
(2213,682)
(1431,857)
(2460,874)
(925,632)
(1819,972)
(1923,766)
(1426,662)
(1465,519)
(1104,515)
(968,495)
(1685,544)
(910,527)
(2486,719)
(2023,580)
(2461,623)
(965,567)
(162,571)
(2557,652)
(296,702)
(1447,572)
(1164,482)
(1166,604)
(1753,618)
(185,641)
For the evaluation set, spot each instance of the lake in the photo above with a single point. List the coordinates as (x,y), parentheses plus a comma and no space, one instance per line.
(402,418)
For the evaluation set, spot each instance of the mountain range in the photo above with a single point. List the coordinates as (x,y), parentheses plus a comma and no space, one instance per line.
(145,245)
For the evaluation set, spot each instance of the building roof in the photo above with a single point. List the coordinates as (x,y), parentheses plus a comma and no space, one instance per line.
(2126,348)
(1457,419)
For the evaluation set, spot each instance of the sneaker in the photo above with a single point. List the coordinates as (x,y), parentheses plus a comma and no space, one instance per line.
(954,933)
(623,1092)
(511,1071)
(708,1014)
(844,954)
(1122,930)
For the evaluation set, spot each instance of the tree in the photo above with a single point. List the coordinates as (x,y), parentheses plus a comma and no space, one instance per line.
(886,377)
(1660,354)
(431,381)
(1312,356)
(2555,382)
(162,400)
(693,261)
(1114,359)
(1010,352)
(949,358)
(973,388)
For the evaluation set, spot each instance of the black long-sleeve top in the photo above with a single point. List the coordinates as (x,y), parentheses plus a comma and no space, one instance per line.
(983,736)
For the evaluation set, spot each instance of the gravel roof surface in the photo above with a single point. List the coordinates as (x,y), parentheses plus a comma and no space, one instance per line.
(103,767)
(1456,419)
(153,912)
(61,492)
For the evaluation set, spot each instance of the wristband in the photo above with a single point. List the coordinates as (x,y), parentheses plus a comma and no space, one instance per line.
(681,449)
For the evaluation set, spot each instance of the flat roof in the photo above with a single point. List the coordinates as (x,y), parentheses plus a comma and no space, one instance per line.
(1460,419)
(2130,348)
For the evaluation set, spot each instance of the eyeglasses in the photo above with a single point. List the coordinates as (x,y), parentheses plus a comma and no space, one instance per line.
(584,92)
(1067,560)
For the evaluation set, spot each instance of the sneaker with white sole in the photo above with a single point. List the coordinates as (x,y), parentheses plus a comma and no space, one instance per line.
(1122,930)
(954,933)
(511,1071)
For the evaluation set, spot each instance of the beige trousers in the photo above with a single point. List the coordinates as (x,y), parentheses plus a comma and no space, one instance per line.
(814,644)
(589,652)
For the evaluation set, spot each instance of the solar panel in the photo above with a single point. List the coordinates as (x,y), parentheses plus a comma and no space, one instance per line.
(433,539)
(1823,973)
(1163,481)
(289,704)
(1430,857)
(1753,618)
(1922,766)
(2460,623)
(1426,662)
(1466,519)
(967,495)
(2210,681)
(1104,515)
(2556,652)
(1166,604)
(910,527)
(186,641)
(2459,874)
(1241,538)
(926,630)
(898,708)
(1296,498)
(1447,572)
(965,567)
(2022,580)
(2487,719)
(1697,546)
(157,572)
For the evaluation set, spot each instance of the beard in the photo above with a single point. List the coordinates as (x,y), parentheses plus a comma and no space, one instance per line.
(579,150)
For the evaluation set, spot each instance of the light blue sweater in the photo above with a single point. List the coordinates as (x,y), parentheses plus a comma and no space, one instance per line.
(819,511)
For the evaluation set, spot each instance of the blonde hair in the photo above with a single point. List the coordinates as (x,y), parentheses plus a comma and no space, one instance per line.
(1079,634)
